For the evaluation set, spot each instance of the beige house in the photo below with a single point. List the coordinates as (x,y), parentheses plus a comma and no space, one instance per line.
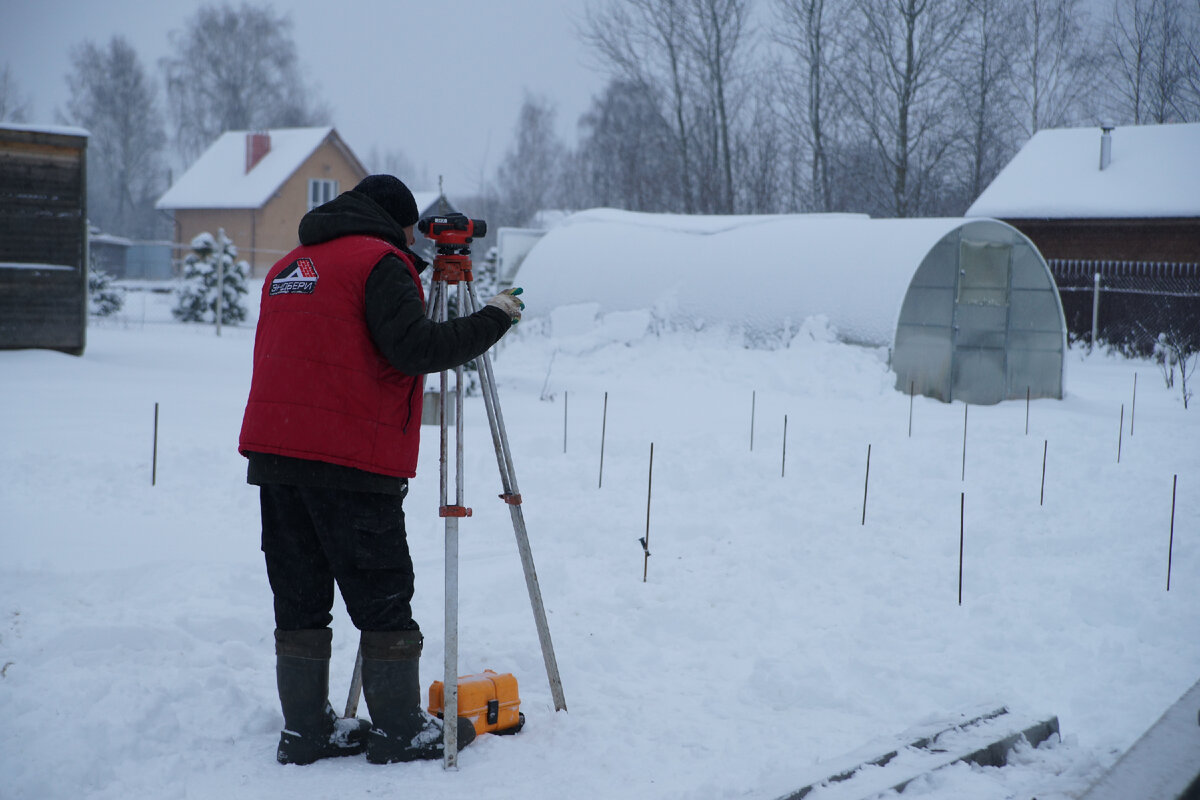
(256,185)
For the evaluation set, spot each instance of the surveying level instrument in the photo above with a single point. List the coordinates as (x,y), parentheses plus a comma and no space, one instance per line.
(453,234)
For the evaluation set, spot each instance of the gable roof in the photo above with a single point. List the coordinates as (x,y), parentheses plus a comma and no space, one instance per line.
(219,179)
(1154,172)
(427,203)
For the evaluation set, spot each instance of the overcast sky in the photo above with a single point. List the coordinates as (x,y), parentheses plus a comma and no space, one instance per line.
(439,82)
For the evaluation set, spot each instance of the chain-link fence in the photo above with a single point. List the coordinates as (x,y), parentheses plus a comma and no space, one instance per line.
(1128,305)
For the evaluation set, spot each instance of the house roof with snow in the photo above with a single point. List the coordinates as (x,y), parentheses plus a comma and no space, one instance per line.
(219,178)
(1153,172)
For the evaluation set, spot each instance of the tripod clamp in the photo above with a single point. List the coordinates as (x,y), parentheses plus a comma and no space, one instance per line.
(453,268)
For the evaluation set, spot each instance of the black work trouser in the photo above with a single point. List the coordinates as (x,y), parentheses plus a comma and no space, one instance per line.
(313,537)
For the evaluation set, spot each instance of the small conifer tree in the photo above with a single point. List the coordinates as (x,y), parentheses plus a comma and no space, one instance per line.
(104,299)
(212,259)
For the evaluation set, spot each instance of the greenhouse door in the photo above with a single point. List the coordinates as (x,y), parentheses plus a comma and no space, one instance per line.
(981,322)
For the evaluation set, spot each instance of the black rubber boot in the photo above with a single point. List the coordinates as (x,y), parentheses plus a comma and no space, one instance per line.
(401,729)
(312,730)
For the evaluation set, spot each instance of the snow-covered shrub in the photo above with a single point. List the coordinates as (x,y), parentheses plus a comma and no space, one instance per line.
(104,299)
(1177,348)
(212,259)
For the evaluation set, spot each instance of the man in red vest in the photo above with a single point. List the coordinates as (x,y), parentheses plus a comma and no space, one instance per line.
(331,431)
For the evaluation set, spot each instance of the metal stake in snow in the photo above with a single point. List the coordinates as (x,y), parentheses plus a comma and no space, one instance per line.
(645,540)
(753,398)
(783,468)
(1133,408)
(154,456)
(866,479)
(964,459)
(912,388)
(1028,390)
(1120,432)
(1171,544)
(962,505)
(565,421)
(1045,447)
(603,431)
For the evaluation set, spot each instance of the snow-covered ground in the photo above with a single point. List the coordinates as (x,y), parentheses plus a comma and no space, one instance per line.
(775,630)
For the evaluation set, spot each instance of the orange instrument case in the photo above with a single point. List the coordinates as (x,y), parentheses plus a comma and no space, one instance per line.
(489,700)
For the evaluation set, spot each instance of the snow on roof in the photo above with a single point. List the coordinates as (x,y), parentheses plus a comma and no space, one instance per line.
(219,179)
(427,202)
(61,130)
(1154,172)
(760,271)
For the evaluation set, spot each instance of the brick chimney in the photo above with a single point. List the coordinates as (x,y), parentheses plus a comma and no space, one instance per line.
(258,144)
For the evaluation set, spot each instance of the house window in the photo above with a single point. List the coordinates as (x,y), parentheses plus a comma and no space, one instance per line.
(321,191)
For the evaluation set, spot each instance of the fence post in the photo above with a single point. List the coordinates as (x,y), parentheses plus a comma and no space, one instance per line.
(1095,309)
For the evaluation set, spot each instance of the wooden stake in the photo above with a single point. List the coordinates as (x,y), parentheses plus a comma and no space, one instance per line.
(603,431)
(1171,545)
(964,459)
(154,457)
(1120,432)
(1045,447)
(962,505)
(912,387)
(783,468)
(646,539)
(1133,408)
(866,479)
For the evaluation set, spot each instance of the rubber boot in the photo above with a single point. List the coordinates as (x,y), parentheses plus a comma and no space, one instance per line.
(401,729)
(312,730)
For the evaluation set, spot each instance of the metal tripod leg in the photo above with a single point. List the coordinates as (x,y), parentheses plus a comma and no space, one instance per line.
(451,514)
(438,310)
(512,496)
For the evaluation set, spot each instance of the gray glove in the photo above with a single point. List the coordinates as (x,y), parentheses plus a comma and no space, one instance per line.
(507,302)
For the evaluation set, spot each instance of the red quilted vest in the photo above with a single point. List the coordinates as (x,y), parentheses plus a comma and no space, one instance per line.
(321,390)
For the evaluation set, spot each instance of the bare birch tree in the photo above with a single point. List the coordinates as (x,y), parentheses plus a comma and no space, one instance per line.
(643,43)
(626,151)
(1054,67)
(1151,52)
(112,96)
(235,69)
(531,172)
(984,82)
(807,31)
(14,106)
(898,87)
(717,35)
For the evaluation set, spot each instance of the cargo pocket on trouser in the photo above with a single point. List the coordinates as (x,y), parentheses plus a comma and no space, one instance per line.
(379,537)
(379,594)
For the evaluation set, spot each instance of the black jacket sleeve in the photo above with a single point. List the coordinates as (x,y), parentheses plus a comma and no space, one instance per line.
(414,344)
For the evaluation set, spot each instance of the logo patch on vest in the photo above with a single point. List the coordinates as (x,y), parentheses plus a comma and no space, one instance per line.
(299,277)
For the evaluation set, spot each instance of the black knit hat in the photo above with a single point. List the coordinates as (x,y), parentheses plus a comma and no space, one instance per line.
(393,196)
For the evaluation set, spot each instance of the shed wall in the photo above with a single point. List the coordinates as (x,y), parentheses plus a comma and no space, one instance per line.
(43,240)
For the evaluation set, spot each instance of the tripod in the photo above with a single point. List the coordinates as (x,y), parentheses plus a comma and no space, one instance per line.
(452,267)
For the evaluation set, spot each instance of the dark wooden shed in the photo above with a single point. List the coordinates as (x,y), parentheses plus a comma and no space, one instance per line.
(43,238)
(1116,214)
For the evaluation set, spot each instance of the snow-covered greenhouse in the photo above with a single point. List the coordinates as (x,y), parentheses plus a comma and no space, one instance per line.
(967,307)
